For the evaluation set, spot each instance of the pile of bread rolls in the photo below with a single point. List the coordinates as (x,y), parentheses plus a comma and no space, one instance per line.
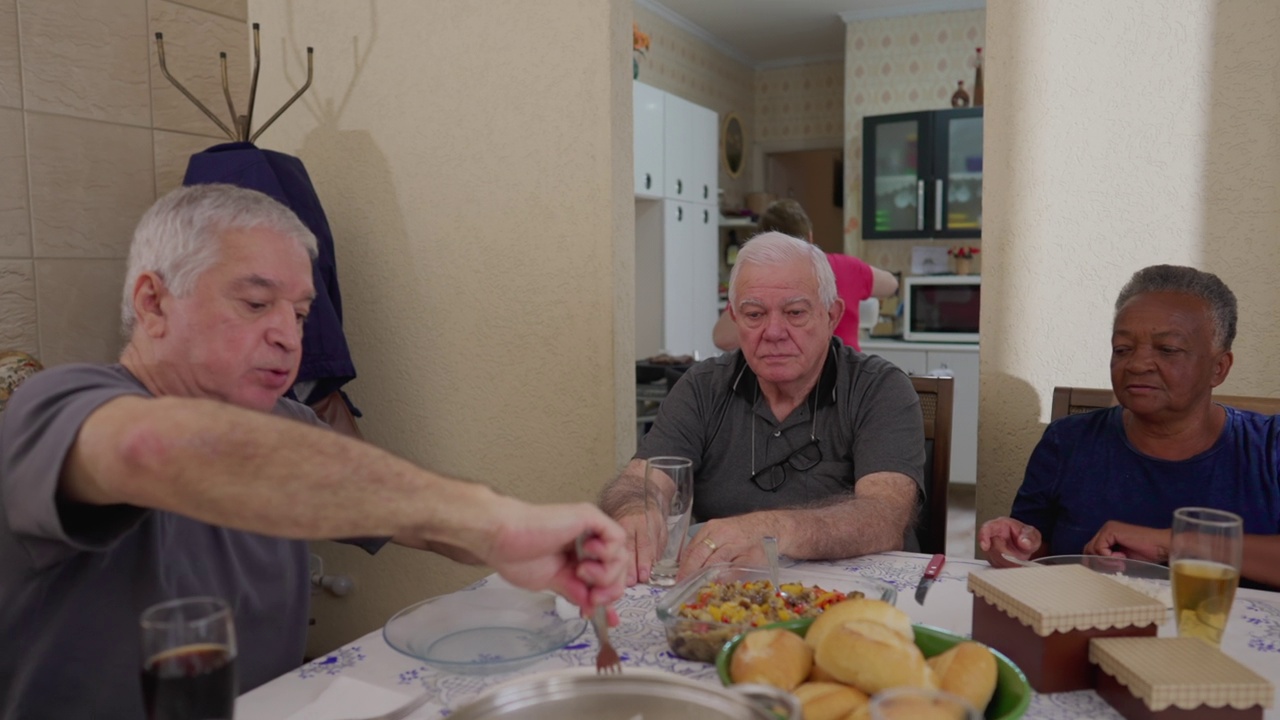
(854,650)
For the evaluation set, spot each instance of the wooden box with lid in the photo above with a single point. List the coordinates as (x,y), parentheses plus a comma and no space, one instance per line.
(1176,679)
(1044,617)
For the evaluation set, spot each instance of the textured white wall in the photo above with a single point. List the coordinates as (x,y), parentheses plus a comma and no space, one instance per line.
(1118,135)
(475,162)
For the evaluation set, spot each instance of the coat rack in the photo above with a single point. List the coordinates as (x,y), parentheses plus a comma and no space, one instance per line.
(243,123)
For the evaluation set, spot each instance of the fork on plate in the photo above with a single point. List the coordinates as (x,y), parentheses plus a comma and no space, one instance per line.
(607,660)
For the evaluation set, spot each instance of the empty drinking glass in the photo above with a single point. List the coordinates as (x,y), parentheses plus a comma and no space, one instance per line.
(668,506)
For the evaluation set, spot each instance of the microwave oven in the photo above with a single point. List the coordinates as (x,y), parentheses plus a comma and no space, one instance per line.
(941,308)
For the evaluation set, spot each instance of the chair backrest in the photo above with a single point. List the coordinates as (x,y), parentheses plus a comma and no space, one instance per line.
(1072,400)
(936,402)
(15,367)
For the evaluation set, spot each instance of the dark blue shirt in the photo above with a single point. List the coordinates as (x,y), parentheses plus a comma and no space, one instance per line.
(1084,472)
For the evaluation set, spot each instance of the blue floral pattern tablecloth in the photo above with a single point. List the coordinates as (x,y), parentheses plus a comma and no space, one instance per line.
(1253,637)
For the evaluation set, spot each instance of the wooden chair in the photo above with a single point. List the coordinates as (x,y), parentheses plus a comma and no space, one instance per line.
(936,403)
(1072,400)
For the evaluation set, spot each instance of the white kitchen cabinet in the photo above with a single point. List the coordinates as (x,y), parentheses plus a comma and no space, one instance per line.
(690,137)
(962,360)
(649,103)
(690,276)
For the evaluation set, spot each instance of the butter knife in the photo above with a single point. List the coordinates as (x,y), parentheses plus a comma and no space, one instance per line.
(931,573)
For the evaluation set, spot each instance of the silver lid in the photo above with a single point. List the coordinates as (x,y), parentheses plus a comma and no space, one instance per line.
(629,696)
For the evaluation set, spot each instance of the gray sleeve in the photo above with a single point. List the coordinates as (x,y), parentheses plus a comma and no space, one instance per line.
(37,430)
(888,429)
(680,426)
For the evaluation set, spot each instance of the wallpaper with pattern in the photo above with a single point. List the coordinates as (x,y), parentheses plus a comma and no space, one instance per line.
(896,65)
(801,102)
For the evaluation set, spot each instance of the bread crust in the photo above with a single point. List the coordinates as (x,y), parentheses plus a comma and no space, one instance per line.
(829,700)
(967,670)
(872,657)
(860,609)
(773,657)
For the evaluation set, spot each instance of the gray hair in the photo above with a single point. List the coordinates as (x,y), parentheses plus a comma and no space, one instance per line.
(180,237)
(773,249)
(1189,281)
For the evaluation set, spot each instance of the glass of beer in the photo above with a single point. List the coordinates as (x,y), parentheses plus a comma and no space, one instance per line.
(1204,560)
(188,660)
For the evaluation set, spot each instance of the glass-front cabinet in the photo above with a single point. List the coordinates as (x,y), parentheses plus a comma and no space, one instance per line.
(922,175)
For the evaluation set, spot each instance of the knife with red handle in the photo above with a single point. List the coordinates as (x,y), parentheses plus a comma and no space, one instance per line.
(931,573)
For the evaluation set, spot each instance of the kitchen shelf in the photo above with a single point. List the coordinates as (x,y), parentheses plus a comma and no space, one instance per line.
(736,222)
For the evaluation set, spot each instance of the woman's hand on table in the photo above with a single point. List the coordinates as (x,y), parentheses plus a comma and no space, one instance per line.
(1006,535)
(1119,539)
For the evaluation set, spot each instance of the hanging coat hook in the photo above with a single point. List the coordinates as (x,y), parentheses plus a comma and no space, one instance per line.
(243,123)
(164,69)
(307,84)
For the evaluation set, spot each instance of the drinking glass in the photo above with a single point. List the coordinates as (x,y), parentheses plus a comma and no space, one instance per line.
(189,653)
(1204,559)
(668,506)
(909,703)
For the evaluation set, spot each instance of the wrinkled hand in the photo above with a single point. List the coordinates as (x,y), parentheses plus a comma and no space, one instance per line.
(1006,535)
(639,550)
(534,549)
(736,540)
(1119,539)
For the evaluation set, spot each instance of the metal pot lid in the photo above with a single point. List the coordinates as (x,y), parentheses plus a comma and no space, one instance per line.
(632,695)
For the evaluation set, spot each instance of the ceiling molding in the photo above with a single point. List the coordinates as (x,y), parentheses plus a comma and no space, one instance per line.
(802,60)
(875,9)
(696,30)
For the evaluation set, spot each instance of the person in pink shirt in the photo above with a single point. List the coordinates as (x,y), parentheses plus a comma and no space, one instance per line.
(855,280)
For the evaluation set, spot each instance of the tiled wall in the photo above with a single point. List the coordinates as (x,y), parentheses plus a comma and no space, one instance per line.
(682,64)
(894,65)
(90,134)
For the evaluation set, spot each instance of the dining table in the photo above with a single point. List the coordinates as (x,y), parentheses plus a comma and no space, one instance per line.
(367,676)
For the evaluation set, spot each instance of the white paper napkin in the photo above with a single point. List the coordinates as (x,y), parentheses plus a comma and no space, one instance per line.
(349,698)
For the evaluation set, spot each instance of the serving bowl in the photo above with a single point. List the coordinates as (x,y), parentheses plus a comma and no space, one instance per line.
(1147,578)
(700,640)
(1013,692)
(485,631)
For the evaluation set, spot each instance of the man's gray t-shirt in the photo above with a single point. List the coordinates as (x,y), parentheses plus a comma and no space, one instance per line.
(863,411)
(75,578)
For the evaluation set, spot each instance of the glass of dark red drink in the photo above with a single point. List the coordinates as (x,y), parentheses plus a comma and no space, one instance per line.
(189,660)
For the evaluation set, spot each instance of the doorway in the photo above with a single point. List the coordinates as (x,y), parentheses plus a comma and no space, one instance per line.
(815,179)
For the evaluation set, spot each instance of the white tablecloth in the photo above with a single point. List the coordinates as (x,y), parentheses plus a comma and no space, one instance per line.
(1253,637)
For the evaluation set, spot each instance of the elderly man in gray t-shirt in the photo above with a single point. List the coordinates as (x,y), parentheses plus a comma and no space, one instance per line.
(180,471)
(795,436)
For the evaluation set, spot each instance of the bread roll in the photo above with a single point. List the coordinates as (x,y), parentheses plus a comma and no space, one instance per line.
(773,657)
(967,670)
(829,701)
(860,609)
(872,657)
(818,675)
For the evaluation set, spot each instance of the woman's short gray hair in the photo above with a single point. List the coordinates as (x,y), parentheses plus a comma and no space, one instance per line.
(773,249)
(1189,281)
(181,235)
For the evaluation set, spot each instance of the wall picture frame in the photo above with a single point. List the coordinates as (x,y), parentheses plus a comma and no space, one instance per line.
(733,145)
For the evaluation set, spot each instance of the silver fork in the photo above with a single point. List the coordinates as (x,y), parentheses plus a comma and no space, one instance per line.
(607,660)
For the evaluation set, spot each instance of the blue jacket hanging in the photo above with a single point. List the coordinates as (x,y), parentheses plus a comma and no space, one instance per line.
(325,357)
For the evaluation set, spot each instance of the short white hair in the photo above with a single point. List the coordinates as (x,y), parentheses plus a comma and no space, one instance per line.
(181,235)
(773,249)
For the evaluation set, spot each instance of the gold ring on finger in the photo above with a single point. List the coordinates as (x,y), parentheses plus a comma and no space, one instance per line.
(710,543)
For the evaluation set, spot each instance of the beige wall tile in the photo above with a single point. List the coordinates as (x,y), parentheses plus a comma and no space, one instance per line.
(86,58)
(192,41)
(15,221)
(236,9)
(90,182)
(18,306)
(10,67)
(173,150)
(79,310)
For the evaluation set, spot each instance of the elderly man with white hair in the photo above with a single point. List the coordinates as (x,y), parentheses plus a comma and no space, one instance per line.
(794,435)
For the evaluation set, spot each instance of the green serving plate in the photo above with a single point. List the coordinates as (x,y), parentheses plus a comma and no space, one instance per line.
(1012,696)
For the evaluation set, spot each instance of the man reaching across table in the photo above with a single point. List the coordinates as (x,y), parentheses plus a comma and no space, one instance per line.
(795,436)
(181,471)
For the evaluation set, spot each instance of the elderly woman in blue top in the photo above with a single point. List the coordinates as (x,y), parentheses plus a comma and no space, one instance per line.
(1107,482)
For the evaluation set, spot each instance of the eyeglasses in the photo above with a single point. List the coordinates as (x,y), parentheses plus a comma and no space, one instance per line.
(803,459)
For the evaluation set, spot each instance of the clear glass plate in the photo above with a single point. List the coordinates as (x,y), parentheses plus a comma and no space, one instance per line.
(486,631)
(1147,578)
